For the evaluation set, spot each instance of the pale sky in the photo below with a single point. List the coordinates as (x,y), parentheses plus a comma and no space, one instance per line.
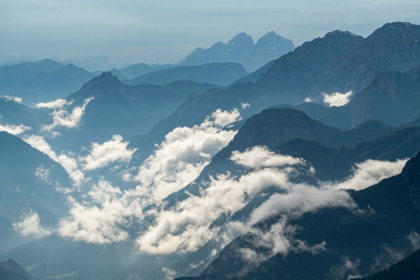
(165,31)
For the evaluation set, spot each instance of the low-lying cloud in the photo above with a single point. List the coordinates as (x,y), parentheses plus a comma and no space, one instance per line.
(14,129)
(371,172)
(337,99)
(176,162)
(11,98)
(56,104)
(63,118)
(30,226)
(68,161)
(101,155)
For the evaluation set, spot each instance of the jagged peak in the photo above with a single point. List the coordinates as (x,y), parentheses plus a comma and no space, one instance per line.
(241,39)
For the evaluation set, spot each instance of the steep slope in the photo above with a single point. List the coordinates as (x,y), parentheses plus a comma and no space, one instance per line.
(291,78)
(392,97)
(393,47)
(356,242)
(23,186)
(241,49)
(407,269)
(336,163)
(221,74)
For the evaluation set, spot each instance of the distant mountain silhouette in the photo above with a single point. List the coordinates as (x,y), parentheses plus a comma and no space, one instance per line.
(29,69)
(136,70)
(42,81)
(222,74)
(241,49)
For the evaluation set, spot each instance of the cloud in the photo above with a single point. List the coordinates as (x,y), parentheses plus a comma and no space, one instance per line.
(176,162)
(114,150)
(11,98)
(14,129)
(259,156)
(100,221)
(245,105)
(68,161)
(180,158)
(278,239)
(223,118)
(371,172)
(56,104)
(30,225)
(62,118)
(337,99)
(308,100)
(43,174)
(186,227)
(300,199)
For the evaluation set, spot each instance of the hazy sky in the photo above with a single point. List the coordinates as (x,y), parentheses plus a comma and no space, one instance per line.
(165,31)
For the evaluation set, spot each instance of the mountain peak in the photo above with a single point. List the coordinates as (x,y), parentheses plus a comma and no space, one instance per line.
(389,30)
(105,81)
(242,39)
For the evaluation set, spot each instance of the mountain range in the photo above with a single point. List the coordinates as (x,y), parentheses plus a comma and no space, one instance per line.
(222,74)
(306,168)
(241,49)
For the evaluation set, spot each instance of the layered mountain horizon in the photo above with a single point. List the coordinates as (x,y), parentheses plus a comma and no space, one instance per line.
(244,161)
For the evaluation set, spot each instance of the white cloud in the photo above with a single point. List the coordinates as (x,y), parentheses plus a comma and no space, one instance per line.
(308,100)
(30,225)
(43,173)
(114,150)
(300,199)
(337,99)
(11,98)
(56,104)
(62,118)
(68,161)
(278,239)
(14,129)
(245,105)
(101,220)
(223,118)
(183,154)
(259,156)
(371,172)
(176,162)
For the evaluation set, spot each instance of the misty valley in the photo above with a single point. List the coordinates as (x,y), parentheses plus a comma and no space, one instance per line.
(244,160)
